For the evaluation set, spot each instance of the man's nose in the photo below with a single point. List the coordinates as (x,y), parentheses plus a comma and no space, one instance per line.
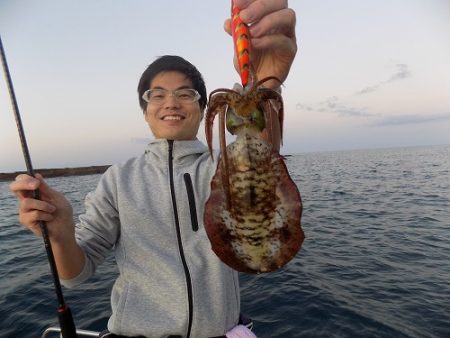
(171,100)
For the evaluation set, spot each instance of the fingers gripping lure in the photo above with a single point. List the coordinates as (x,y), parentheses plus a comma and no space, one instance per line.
(241,41)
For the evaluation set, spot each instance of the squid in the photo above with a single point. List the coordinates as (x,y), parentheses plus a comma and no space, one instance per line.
(253,213)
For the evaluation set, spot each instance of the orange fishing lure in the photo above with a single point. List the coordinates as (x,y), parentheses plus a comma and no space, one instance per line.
(241,40)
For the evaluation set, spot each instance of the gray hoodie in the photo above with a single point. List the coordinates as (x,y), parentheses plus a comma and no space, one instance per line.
(149,210)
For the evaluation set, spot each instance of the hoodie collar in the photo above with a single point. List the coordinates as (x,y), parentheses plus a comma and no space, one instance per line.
(182,150)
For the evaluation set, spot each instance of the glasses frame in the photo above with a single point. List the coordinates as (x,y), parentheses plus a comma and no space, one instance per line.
(173,93)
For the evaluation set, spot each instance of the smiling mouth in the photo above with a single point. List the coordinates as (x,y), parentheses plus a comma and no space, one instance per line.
(173,118)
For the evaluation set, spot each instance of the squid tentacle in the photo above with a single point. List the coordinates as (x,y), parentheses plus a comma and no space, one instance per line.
(225,166)
(213,110)
(274,103)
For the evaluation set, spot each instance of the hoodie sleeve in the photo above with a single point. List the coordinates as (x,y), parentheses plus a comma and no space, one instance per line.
(98,228)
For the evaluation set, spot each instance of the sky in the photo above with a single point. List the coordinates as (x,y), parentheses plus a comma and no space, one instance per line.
(368,74)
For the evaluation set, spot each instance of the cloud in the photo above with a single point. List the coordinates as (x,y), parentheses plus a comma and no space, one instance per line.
(368,89)
(330,103)
(333,105)
(303,107)
(349,111)
(402,72)
(411,119)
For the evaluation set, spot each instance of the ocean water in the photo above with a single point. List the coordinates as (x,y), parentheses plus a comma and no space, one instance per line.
(375,262)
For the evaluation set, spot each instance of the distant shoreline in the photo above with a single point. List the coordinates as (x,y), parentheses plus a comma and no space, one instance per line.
(56,172)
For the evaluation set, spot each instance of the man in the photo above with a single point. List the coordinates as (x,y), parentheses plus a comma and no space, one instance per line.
(149,210)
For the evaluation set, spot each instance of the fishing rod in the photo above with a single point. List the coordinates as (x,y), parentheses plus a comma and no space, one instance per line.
(64,314)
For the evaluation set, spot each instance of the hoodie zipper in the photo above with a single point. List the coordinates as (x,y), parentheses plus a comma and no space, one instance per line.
(180,244)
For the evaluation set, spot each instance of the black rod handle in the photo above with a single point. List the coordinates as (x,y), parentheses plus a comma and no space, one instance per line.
(66,322)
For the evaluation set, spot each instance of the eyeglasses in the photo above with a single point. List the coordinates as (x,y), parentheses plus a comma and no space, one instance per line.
(159,96)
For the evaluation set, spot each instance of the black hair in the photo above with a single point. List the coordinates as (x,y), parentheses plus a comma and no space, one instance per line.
(172,63)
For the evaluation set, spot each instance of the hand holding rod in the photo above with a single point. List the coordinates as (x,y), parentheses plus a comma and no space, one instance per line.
(64,314)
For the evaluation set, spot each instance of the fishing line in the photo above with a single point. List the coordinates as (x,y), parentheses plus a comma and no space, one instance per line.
(64,314)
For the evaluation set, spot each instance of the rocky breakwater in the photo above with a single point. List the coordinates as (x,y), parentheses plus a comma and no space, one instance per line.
(59,172)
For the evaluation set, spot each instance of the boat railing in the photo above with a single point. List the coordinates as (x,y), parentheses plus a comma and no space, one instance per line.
(49,332)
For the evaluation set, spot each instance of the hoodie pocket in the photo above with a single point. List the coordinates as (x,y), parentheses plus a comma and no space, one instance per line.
(191,199)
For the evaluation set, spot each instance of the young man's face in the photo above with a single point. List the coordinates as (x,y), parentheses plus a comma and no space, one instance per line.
(171,119)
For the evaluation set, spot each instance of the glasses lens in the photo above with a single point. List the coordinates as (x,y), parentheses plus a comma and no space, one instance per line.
(156,95)
(186,95)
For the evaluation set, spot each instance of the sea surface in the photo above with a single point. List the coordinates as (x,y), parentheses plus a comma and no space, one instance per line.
(375,262)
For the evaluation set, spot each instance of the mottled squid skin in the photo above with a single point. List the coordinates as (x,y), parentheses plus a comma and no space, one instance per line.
(252,216)
(261,231)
